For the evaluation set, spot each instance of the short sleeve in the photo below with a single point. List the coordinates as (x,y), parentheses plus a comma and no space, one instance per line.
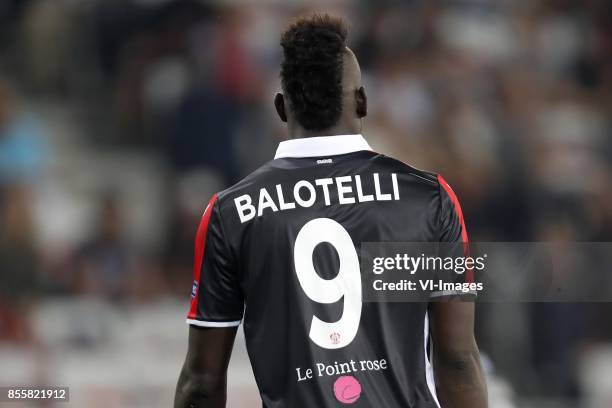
(216,297)
(453,238)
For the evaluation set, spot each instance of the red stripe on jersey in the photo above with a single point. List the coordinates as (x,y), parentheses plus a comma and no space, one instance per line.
(464,236)
(200,247)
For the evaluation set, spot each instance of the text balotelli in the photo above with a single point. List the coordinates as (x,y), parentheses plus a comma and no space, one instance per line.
(304,193)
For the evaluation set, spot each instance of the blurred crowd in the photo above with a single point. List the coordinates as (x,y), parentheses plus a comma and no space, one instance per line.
(119,119)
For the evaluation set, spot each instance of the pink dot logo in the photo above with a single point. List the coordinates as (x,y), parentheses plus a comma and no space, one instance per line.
(347,389)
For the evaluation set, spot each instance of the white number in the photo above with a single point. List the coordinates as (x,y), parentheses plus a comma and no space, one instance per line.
(346,284)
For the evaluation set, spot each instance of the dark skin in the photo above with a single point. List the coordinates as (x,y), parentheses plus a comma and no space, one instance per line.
(459,379)
(460,382)
(203,379)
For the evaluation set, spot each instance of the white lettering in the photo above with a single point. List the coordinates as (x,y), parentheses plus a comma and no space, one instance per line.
(379,195)
(349,190)
(360,196)
(246,210)
(325,182)
(298,198)
(344,190)
(281,199)
(265,201)
(395,186)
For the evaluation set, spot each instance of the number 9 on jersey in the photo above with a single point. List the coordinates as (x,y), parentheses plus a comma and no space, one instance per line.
(346,284)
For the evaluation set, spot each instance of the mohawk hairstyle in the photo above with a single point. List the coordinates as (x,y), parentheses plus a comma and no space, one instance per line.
(311,70)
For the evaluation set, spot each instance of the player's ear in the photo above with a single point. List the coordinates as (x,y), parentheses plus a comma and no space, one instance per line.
(279,103)
(361,102)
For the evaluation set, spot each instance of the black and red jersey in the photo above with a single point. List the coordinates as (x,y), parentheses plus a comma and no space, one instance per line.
(278,252)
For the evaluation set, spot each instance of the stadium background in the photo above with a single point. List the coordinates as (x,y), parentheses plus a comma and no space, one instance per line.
(119,119)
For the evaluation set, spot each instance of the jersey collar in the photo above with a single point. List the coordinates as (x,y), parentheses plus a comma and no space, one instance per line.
(321,146)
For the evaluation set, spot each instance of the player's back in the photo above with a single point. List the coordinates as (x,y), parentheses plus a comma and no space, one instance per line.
(282,247)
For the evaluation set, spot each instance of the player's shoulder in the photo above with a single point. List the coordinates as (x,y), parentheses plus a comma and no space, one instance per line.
(250,181)
(418,176)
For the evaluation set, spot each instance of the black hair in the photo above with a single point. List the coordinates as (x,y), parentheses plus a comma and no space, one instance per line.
(311,70)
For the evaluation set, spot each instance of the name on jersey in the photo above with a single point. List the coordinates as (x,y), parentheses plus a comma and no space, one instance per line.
(304,193)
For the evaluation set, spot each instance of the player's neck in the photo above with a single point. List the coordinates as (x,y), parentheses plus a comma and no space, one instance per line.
(299,132)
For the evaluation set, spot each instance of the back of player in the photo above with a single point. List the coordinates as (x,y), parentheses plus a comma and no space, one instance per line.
(289,237)
(279,251)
